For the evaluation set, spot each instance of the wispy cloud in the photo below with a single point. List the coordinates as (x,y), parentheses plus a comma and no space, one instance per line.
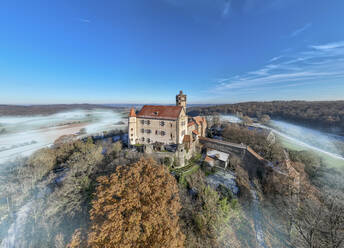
(318,63)
(226,8)
(84,20)
(329,46)
(275,58)
(301,30)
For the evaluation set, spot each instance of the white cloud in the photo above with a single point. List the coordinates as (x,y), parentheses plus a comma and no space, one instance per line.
(275,58)
(329,46)
(223,8)
(301,30)
(226,8)
(320,63)
(84,20)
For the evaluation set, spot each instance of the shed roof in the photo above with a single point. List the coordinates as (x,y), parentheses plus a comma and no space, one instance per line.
(218,155)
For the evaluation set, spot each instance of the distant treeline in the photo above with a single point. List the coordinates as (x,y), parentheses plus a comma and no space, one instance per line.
(49,109)
(322,114)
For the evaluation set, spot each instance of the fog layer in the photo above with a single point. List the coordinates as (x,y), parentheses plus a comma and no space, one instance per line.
(21,136)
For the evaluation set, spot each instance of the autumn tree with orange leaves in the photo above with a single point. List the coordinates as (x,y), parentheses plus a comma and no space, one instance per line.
(137,206)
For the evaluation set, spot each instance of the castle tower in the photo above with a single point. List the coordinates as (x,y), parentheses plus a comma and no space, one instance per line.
(132,127)
(181,100)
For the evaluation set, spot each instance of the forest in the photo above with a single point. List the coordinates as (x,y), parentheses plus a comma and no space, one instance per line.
(327,115)
(94,193)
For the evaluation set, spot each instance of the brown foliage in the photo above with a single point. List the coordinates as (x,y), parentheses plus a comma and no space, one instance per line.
(78,239)
(136,207)
(256,140)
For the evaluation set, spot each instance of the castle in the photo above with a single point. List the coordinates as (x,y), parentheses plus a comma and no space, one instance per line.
(165,125)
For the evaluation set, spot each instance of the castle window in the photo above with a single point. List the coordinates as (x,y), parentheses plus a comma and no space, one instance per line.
(132,135)
(143,138)
(132,129)
(148,122)
(148,131)
(162,123)
(148,140)
(142,122)
(142,130)
(171,124)
(171,136)
(156,132)
(163,133)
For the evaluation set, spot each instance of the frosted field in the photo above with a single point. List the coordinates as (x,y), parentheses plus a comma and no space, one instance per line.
(230,118)
(24,135)
(302,138)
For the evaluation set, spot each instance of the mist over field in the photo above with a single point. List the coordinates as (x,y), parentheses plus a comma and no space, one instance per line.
(326,145)
(329,146)
(22,135)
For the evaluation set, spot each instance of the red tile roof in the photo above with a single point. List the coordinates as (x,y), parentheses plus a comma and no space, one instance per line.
(132,112)
(208,159)
(195,132)
(160,112)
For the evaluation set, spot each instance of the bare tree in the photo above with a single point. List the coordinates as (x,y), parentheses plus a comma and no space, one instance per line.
(315,223)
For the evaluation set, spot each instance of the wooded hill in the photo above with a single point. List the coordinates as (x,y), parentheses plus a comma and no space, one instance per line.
(323,114)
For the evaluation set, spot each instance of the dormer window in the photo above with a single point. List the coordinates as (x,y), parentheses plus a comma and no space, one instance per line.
(156,113)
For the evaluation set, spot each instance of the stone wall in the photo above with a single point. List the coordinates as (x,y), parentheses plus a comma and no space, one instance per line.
(152,132)
(223,146)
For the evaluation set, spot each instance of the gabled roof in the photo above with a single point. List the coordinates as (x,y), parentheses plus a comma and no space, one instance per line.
(199,119)
(160,112)
(132,112)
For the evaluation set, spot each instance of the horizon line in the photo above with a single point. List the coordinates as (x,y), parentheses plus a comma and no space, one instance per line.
(152,103)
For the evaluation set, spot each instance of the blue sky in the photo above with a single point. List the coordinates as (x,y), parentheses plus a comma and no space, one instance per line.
(145,51)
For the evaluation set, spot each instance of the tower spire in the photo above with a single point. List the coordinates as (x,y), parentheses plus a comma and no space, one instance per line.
(132,113)
(181,99)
